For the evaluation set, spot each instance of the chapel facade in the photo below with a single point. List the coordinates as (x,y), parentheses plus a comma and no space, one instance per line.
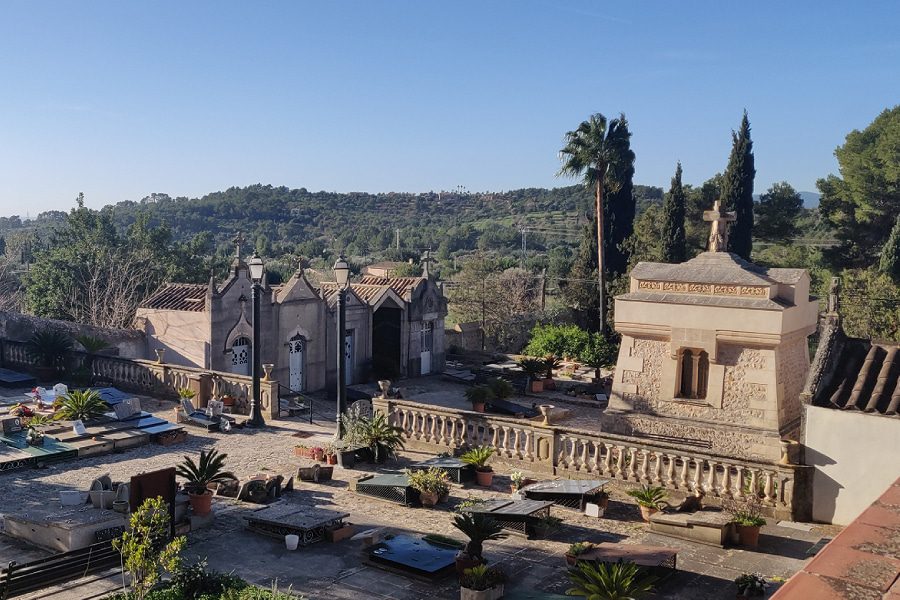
(714,352)
(394,327)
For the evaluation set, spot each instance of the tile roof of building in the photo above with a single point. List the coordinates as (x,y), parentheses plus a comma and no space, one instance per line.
(366,292)
(697,300)
(862,561)
(404,286)
(716,267)
(179,296)
(866,377)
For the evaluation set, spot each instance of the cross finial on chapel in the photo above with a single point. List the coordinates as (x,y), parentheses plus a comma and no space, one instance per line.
(426,261)
(718,234)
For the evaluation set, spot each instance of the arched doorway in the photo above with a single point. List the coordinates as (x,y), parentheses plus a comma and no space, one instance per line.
(240,356)
(296,351)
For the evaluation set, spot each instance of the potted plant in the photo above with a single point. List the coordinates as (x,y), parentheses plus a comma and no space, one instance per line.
(747,517)
(330,454)
(49,349)
(609,581)
(649,498)
(479,528)
(302,451)
(751,585)
(601,498)
(481,583)
(516,477)
(545,526)
(209,469)
(479,396)
(576,550)
(534,368)
(501,388)
(551,362)
(80,405)
(478,457)
(380,437)
(432,484)
(318,453)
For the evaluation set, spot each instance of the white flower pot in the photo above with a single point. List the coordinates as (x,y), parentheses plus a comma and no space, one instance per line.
(291,541)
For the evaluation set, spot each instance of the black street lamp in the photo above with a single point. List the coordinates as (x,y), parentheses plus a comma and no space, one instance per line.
(342,277)
(257,268)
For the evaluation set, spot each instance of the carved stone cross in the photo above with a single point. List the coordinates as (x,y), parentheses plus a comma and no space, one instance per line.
(718,235)
(426,262)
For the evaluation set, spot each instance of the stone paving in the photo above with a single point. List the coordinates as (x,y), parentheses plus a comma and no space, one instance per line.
(334,571)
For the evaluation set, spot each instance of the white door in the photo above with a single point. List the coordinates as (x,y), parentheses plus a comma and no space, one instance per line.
(427,340)
(296,348)
(348,357)
(240,356)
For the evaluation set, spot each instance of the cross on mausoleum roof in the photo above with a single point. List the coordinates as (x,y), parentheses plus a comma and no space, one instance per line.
(718,235)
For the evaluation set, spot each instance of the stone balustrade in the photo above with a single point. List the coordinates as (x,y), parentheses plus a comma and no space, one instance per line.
(576,454)
(157,379)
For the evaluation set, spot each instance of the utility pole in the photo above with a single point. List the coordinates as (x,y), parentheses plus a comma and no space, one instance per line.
(524,245)
(397,230)
(483,279)
(543,288)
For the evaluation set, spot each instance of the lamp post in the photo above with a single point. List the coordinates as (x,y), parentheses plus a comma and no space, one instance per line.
(342,277)
(257,268)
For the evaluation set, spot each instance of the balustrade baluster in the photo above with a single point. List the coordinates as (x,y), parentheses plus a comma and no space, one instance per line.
(573,462)
(607,459)
(768,488)
(726,481)
(657,470)
(529,442)
(495,439)
(698,474)
(754,482)
(632,464)
(598,466)
(711,479)
(620,462)
(505,446)
(644,468)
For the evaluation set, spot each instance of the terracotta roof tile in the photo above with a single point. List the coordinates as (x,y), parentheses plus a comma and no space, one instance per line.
(404,286)
(866,378)
(179,296)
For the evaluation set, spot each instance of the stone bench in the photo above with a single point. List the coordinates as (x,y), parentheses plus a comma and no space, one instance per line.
(705,526)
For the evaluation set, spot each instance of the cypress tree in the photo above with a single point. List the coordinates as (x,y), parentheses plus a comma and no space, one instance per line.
(890,254)
(619,208)
(737,190)
(674,245)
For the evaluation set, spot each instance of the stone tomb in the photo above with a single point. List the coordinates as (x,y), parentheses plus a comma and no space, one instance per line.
(713,356)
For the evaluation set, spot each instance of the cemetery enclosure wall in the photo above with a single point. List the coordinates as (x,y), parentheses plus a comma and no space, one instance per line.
(628,460)
(184,335)
(19,327)
(157,379)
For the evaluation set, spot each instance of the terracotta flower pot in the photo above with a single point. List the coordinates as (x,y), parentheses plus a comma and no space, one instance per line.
(571,559)
(319,455)
(331,458)
(647,512)
(478,407)
(748,535)
(537,386)
(464,561)
(428,499)
(201,504)
(484,477)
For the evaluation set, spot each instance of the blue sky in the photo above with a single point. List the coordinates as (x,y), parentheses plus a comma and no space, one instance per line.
(121,99)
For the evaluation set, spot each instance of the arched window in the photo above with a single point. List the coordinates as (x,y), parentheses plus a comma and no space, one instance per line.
(694,370)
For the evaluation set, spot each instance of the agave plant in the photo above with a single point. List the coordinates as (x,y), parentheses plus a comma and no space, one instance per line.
(380,436)
(82,405)
(649,496)
(609,581)
(479,528)
(478,457)
(91,344)
(49,348)
(209,469)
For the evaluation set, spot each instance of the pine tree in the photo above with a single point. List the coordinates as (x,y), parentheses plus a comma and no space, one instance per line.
(619,208)
(737,190)
(674,245)
(890,254)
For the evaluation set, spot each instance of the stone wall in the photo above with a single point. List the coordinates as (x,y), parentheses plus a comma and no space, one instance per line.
(128,343)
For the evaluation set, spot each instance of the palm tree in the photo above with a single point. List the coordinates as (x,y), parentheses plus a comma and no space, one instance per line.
(609,581)
(595,151)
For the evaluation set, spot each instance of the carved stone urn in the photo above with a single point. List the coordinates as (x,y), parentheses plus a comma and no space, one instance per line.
(160,353)
(385,386)
(267,369)
(546,409)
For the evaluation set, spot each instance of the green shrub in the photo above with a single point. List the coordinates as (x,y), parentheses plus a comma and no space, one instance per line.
(559,340)
(501,388)
(599,352)
(81,405)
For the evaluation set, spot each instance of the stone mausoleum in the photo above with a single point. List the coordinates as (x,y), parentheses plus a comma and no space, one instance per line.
(714,352)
